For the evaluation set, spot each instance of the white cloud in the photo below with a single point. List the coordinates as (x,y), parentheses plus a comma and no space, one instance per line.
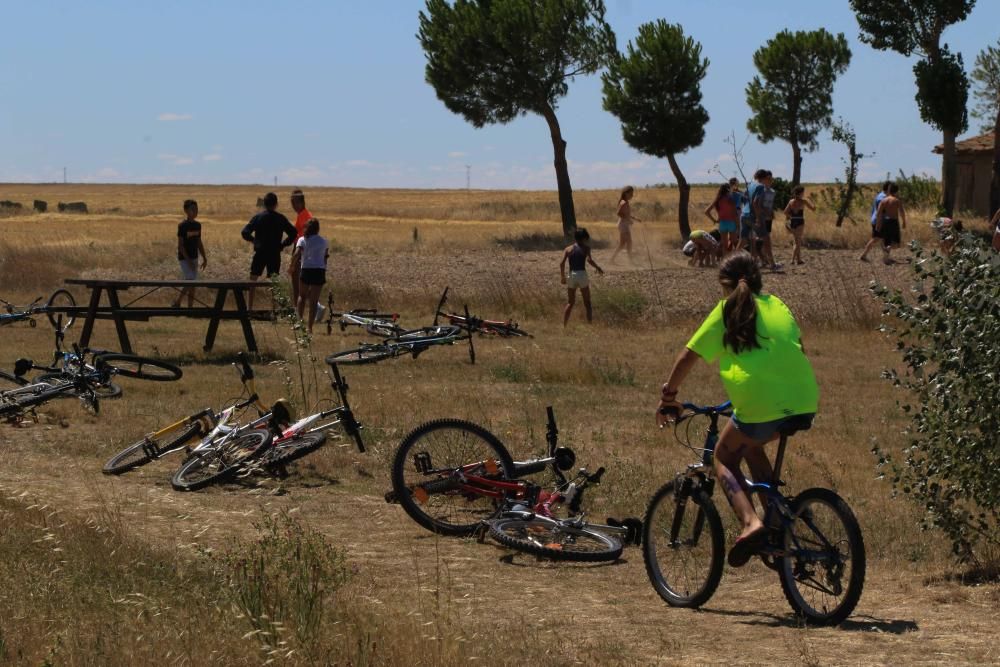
(177,160)
(456,154)
(360,163)
(172,117)
(211,157)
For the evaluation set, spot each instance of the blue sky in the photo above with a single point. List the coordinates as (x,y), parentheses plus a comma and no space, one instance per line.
(333,93)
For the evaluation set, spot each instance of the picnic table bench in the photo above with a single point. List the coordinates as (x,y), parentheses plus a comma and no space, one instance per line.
(134,310)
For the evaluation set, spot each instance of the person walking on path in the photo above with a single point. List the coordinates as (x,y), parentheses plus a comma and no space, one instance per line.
(578,256)
(264,231)
(625,220)
(887,222)
(795,212)
(302,216)
(312,252)
(189,246)
(764,228)
(766,375)
(875,238)
(727,208)
(751,212)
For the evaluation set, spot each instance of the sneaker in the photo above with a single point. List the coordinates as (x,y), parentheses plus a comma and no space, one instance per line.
(319,310)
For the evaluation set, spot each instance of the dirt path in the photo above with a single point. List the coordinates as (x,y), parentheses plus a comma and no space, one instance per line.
(575,611)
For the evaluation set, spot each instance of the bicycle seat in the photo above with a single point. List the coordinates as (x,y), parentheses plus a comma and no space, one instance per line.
(796,424)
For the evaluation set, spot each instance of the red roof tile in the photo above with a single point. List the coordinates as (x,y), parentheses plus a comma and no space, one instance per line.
(981,144)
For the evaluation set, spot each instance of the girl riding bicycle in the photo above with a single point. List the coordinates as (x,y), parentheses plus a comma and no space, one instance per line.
(766,375)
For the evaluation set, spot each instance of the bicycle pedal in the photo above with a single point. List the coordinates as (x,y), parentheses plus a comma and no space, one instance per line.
(390,497)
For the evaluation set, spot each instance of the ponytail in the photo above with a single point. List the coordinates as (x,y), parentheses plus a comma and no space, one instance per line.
(739,314)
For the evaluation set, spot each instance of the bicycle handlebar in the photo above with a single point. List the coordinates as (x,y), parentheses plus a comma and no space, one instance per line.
(725,409)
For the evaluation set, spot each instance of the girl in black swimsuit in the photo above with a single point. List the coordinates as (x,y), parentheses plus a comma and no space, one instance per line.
(795,211)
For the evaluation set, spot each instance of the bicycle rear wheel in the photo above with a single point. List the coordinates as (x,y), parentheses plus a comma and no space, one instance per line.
(823,571)
(142,368)
(213,463)
(292,449)
(423,474)
(150,449)
(555,539)
(61,299)
(683,544)
(362,355)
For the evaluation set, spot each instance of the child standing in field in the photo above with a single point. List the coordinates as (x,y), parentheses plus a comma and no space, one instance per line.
(625,220)
(578,256)
(189,246)
(887,222)
(312,252)
(795,212)
(302,217)
(727,208)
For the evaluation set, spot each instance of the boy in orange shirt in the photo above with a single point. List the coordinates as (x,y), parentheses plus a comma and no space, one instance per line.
(302,217)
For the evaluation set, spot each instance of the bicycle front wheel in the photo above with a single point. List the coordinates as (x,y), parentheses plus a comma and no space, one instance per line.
(103,390)
(424,481)
(555,539)
(362,355)
(683,544)
(823,570)
(150,449)
(216,463)
(61,299)
(142,368)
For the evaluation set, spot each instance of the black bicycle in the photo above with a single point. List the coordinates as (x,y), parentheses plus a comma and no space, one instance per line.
(59,302)
(21,401)
(814,541)
(413,343)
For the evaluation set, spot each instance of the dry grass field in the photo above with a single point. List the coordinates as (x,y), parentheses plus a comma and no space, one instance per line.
(109,571)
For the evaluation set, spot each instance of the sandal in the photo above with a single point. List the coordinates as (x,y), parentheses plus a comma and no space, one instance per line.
(745,548)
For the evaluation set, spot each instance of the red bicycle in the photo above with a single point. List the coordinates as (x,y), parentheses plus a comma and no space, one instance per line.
(475,324)
(441,491)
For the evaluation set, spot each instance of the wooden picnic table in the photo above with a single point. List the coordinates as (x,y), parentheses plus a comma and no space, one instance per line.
(132,310)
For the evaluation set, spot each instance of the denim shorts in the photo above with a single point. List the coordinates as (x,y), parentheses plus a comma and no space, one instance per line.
(764,431)
(746,224)
(727,226)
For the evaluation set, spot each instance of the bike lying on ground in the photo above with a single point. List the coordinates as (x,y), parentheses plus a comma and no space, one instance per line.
(268,442)
(456,478)
(191,429)
(369,319)
(65,366)
(59,299)
(413,342)
(85,384)
(475,324)
(814,541)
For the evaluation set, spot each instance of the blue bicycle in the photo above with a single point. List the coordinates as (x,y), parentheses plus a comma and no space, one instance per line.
(59,308)
(814,540)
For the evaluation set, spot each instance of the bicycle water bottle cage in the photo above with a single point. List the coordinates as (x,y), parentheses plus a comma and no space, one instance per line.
(422,462)
(565,458)
(22,366)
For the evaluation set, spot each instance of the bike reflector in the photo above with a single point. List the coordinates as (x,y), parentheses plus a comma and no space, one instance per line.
(421,495)
(491,466)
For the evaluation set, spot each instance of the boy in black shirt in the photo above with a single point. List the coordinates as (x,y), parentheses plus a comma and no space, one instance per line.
(265,231)
(188,248)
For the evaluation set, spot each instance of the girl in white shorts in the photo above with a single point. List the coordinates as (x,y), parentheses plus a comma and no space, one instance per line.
(578,256)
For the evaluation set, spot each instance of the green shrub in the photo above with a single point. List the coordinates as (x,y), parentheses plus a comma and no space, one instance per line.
(919,190)
(509,372)
(947,333)
(603,371)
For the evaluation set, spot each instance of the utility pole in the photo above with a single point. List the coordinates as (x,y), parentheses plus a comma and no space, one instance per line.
(64,175)
(275,181)
(468,177)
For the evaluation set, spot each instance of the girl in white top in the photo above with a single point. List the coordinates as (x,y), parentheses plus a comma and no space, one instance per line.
(625,220)
(312,250)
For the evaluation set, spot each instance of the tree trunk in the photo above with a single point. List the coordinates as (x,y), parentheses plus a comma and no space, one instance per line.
(852,183)
(796,163)
(995,182)
(685,194)
(948,174)
(566,207)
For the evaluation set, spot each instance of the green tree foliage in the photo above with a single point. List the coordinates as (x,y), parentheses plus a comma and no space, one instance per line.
(655,91)
(491,61)
(840,197)
(986,86)
(947,334)
(914,27)
(986,78)
(792,98)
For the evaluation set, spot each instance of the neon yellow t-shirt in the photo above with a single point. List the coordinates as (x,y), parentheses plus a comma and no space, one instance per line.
(766,383)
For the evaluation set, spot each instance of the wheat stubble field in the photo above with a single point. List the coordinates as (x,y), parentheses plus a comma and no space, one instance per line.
(119,571)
